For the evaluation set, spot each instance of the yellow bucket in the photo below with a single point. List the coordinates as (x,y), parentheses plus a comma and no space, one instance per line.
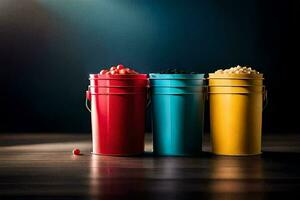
(236,105)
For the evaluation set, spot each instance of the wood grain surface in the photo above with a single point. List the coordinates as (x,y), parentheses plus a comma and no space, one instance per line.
(41,166)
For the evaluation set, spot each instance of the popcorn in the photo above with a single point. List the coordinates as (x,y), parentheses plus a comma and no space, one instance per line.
(237,70)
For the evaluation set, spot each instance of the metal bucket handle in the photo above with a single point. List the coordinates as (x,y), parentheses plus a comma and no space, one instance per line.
(265,97)
(87,98)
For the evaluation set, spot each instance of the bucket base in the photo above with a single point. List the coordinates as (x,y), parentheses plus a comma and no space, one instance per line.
(117,155)
(224,154)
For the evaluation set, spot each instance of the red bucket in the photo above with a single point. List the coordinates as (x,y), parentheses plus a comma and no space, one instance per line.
(118,104)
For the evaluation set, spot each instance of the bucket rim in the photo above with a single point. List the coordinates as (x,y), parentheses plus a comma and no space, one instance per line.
(117,86)
(176,93)
(116,93)
(117,76)
(158,76)
(234,86)
(235,76)
(177,86)
(233,89)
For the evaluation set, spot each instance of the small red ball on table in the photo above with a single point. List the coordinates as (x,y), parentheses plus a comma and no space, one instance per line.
(76,152)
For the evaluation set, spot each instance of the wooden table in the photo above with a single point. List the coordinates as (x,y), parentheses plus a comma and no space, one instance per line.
(41,166)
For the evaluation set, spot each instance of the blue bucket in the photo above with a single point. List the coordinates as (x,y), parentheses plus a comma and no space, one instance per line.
(177,113)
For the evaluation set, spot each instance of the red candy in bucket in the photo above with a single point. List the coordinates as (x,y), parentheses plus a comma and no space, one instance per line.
(120,69)
(118,101)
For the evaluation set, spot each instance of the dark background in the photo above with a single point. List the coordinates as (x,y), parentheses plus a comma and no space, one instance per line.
(48,48)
